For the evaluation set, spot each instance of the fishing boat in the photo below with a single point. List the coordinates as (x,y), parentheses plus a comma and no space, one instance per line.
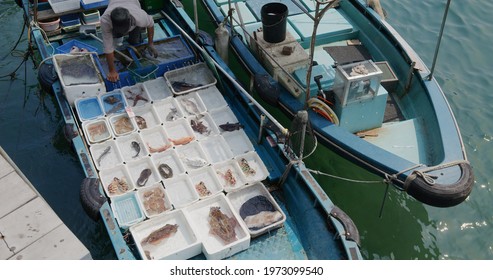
(371,98)
(177,163)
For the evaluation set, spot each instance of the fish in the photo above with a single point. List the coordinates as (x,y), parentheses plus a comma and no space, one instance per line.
(160,234)
(105,152)
(165,170)
(154,201)
(190,106)
(116,108)
(202,189)
(182,141)
(141,122)
(262,219)
(158,149)
(182,86)
(123,125)
(231,126)
(172,115)
(199,127)
(228,177)
(195,162)
(144,176)
(111,99)
(136,147)
(222,225)
(245,167)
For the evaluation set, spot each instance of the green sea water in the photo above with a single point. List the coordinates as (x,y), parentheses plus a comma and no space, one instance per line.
(31,132)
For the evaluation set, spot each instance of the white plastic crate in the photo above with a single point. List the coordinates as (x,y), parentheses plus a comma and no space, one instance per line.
(60,6)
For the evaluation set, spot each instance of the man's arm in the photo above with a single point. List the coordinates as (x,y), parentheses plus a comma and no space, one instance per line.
(113,74)
(150,41)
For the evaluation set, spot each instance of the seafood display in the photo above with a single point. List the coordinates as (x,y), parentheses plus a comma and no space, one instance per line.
(141,122)
(153,201)
(258,212)
(165,170)
(195,162)
(136,147)
(123,125)
(221,225)
(199,126)
(111,99)
(136,93)
(190,106)
(118,186)
(158,149)
(230,126)
(172,115)
(179,86)
(245,167)
(115,108)
(144,176)
(182,141)
(202,189)
(103,154)
(228,177)
(155,237)
(98,131)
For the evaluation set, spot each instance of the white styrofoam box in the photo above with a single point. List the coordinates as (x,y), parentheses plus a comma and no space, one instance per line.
(145,117)
(168,110)
(179,129)
(77,85)
(97,131)
(106,155)
(181,245)
(212,98)
(213,246)
(181,191)
(191,104)
(245,207)
(127,210)
(230,169)
(122,124)
(156,139)
(252,166)
(120,172)
(172,159)
(223,115)
(216,148)
(154,200)
(192,156)
(137,170)
(129,150)
(136,95)
(60,6)
(196,122)
(208,177)
(238,142)
(158,89)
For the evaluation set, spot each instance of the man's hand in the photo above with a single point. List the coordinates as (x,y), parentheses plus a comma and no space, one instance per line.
(113,76)
(112,73)
(152,50)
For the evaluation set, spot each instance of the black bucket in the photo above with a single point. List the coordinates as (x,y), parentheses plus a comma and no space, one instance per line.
(274,16)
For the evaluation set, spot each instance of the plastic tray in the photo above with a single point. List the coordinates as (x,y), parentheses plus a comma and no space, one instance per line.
(191,104)
(213,246)
(88,108)
(212,98)
(192,156)
(97,131)
(111,157)
(222,170)
(178,246)
(122,124)
(127,210)
(60,6)
(67,47)
(113,102)
(203,126)
(222,116)
(156,139)
(208,177)
(154,200)
(181,191)
(121,173)
(129,150)
(238,141)
(93,4)
(145,117)
(168,110)
(171,158)
(136,95)
(202,77)
(179,129)
(136,168)
(216,149)
(254,168)
(256,206)
(158,89)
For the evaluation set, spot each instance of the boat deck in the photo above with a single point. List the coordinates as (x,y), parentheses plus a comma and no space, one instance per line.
(29,228)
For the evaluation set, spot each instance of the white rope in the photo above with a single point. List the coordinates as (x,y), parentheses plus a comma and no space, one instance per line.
(344,179)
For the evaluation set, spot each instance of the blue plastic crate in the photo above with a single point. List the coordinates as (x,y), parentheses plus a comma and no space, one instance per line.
(70,20)
(65,48)
(89,108)
(94,5)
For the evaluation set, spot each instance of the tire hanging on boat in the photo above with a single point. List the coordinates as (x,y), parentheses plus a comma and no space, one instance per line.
(91,198)
(47,76)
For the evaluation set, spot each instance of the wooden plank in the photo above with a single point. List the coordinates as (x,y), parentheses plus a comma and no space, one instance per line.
(28,223)
(5,167)
(59,244)
(15,192)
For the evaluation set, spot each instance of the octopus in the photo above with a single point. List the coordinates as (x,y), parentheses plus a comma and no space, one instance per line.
(153,201)
(160,234)
(141,122)
(118,186)
(123,125)
(228,177)
(182,141)
(222,225)
(202,189)
(245,167)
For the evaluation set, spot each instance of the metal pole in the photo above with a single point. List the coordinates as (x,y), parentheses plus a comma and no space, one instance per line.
(439,40)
